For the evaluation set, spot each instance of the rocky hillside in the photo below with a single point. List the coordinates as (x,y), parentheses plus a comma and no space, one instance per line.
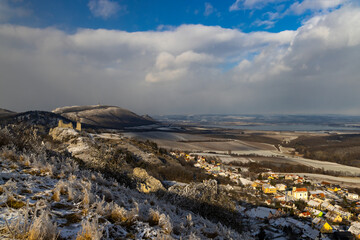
(104,116)
(43,118)
(48,193)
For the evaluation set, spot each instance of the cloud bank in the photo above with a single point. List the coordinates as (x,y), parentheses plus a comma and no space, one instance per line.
(188,69)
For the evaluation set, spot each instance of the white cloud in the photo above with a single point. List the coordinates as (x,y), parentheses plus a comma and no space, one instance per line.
(209,9)
(186,69)
(104,8)
(168,67)
(314,5)
(250,4)
(267,23)
(8,12)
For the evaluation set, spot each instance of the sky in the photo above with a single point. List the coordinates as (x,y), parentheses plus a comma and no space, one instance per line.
(182,56)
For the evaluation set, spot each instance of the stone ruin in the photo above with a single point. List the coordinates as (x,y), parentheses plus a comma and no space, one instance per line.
(61,124)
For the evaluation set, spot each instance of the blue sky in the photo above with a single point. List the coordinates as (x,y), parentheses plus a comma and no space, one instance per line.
(168,57)
(136,15)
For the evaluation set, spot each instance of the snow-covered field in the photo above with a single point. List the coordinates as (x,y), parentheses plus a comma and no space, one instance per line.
(199,143)
(224,158)
(192,142)
(343,181)
(330,166)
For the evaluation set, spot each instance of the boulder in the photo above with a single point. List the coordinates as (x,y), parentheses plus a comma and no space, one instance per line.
(146,183)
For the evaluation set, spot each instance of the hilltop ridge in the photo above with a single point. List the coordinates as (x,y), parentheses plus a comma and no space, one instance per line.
(103,116)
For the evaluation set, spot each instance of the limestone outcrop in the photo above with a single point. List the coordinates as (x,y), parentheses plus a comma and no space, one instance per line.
(63,134)
(146,183)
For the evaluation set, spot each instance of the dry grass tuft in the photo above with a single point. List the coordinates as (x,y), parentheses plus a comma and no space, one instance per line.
(87,196)
(70,193)
(43,228)
(86,199)
(189,222)
(35,172)
(71,177)
(90,231)
(13,203)
(154,217)
(56,195)
(165,223)
(27,162)
(46,169)
(118,214)
(62,186)
(99,207)
(14,166)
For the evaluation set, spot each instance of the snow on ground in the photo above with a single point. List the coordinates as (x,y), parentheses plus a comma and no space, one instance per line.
(345,181)
(245,181)
(113,136)
(62,194)
(223,157)
(79,147)
(261,212)
(331,166)
(191,142)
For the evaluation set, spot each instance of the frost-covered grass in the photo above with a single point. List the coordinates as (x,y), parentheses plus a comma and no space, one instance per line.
(52,198)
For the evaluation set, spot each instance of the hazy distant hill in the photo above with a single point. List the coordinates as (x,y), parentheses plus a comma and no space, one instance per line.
(104,116)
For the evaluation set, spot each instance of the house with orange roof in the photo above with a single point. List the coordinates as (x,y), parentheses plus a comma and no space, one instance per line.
(304,214)
(300,193)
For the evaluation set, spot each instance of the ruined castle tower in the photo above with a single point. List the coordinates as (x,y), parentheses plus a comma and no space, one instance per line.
(78,126)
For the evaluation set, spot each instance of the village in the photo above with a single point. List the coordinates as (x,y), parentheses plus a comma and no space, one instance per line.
(317,210)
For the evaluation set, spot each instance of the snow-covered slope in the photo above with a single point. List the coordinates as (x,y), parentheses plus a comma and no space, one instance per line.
(43,198)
